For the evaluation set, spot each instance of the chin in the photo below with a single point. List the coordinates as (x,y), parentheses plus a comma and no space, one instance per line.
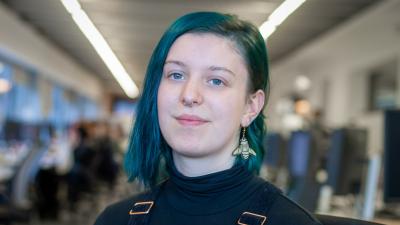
(190,151)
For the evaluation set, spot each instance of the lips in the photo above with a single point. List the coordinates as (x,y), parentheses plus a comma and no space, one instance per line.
(191,120)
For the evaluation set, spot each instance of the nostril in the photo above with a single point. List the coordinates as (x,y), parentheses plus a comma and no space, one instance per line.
(190,94)
(187,102)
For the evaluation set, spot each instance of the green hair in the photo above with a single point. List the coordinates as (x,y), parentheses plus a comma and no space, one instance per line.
(147,147)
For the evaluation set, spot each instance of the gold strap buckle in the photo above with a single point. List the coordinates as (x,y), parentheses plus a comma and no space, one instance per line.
(247,215)
(141,208)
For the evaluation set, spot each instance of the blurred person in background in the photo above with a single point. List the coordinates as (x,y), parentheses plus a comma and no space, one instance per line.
(200,119)
(120,140)
(81,176)
(105,166)
(54,166)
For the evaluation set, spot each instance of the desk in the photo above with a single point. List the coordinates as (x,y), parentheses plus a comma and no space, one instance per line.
(387,221)
(6,173)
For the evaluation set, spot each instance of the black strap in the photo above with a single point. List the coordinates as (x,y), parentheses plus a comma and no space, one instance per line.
(257,212)
(255,215)
(140,212)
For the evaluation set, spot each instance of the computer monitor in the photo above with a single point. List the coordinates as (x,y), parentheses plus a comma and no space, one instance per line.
(11,131)
(29,131)
(19,131)
(347,160)
(299,150)
(274,150)
(302,186)
(391,192)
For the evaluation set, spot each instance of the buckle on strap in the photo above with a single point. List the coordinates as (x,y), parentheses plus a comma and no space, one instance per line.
(248,218)
(141,208)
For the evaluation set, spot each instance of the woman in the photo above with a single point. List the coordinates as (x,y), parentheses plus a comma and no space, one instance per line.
(200,119)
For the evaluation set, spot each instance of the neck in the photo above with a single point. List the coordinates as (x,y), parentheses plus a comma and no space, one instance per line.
(192,167)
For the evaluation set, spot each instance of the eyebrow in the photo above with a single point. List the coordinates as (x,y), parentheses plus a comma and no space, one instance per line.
(220,68)
(179,63)
(212,68)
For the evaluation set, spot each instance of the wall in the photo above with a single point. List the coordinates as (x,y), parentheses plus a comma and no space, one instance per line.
(337,64)
(19,41)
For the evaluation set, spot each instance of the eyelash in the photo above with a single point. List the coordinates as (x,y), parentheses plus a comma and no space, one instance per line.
(172,76)
(216,79)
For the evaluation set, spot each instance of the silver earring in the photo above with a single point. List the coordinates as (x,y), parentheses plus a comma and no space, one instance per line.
(244,149)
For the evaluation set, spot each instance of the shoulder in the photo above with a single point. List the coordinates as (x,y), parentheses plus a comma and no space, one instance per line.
(283,211)
(118,213)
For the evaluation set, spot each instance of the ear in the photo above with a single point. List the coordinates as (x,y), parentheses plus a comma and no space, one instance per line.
(254,105)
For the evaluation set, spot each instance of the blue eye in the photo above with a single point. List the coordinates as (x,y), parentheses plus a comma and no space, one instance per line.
(216,82)
(175,76)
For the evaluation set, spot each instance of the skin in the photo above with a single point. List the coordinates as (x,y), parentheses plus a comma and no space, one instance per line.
(203,102)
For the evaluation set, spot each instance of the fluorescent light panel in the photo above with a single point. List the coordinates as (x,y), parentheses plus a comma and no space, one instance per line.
(102,48)
(278,16)
(114,65)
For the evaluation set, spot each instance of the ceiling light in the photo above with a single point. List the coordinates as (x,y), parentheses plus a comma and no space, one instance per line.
(302,83)
(267,29)
(278,16)
(102,48)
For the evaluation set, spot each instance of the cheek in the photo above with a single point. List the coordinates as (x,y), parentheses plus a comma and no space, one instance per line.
(167,98)
(165,92)
(229,109)
(162,102)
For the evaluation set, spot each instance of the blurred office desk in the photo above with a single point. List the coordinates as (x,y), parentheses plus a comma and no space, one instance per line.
(10,158)
(5,173)
(387,221)
(7,166)
(342,220)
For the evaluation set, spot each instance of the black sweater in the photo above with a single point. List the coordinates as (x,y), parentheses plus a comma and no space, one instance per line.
(219,198)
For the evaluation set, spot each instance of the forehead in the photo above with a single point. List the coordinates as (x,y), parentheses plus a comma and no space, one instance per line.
(207,48)
(208,36)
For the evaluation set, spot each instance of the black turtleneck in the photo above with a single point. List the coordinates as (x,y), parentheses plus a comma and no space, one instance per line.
(215,199)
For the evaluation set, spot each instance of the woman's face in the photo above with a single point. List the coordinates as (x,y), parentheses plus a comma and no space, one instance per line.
(202,98)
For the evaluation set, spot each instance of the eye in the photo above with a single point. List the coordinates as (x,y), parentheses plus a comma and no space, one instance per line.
(175,76)
(216,82)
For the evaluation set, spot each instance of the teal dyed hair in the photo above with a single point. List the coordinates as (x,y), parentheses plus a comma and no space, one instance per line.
(147,147)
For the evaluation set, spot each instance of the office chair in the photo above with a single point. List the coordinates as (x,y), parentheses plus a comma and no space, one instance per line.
(334,220)
(15,206)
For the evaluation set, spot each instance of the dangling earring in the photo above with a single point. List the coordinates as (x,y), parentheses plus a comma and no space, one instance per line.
(244,149)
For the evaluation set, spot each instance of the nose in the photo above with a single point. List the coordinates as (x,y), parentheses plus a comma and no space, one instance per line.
(191,93)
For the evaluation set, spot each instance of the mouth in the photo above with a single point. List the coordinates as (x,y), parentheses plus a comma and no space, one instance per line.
(190,120)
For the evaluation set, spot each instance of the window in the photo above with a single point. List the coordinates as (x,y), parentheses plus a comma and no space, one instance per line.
(383,83)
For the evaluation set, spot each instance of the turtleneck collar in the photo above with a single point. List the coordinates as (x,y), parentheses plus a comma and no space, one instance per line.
(209,193)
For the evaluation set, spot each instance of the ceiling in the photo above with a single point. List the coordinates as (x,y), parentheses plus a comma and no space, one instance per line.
(133,27)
